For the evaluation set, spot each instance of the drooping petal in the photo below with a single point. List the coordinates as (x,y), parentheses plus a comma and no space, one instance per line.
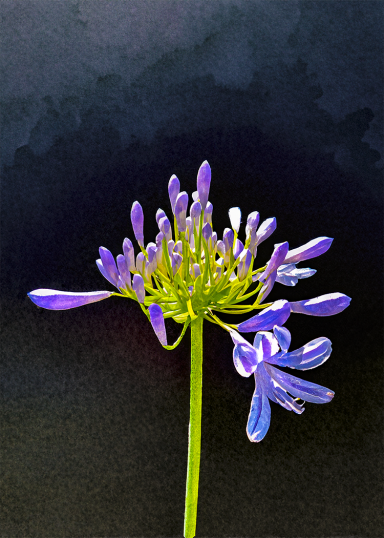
(235,218)
(64,300)
(276,314)
(203,183)
(109,265)
(173,190)
(283,337)
(137,219)
(312,249)
(325,305)
(266,345)
(304,272)
(259,418)
(244,355)
(157,321)
(287,280)
(299,388)
(138,287)
(276,260)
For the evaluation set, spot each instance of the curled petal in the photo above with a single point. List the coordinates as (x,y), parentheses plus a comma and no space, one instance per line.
(265,230)
(299,388)
(173,190)
(325,305)
(283,337)
(276,260)
(64,300)
(259,417)
(235,218)
(138,287)
(157,321)
(203,183)
(276,314)
(137,219)
(312,249)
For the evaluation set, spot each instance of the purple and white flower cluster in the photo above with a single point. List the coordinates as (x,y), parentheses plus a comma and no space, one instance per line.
(188,272)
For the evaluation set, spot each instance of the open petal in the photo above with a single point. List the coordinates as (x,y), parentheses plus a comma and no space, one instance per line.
(157,321)
(266,345)
(312,249)
(259,417)
(64,300)
(244,355)
(276,314)
(325,305)
(299,388)
(283,337)
(313,354)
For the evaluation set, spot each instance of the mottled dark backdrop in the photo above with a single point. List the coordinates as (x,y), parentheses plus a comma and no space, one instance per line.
(101,102)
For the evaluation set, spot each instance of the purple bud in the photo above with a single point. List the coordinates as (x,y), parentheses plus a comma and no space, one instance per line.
(176,260)
(220,247)
(252,222)
(157,321)
(195,270)
(238,248)
(203,183)
(125,275)
(151,264)
(253,242)
(173,190)
(228,238)
(207,231)
(171,245)
(64,300)
(195,196)
(235,218)
(219,270)
(325,305)
(312,249)
(159,215)
(276,260)
(189,230)
(214,238)
(276,314)
(195,211)
(244,265)
(159,239)
(109,265)
(151,251)
(208,213)
(267,288)
(140,262)
(138,287)
(129,254)
(265,230)
(178,247)
(283,337)
(137,219)
(165,227)
(181,205)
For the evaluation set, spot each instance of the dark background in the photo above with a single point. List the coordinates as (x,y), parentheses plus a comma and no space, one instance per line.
(102,102)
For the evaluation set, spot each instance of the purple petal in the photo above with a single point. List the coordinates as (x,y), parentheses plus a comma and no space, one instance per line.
(159,215)
(165,227)
(283,337)
(266,345)
(299,388)
(203,183)
(64,300)
(157,321)
(312,249)
(140,262)
(181,205)
(244,355)
(195,270)
(207,231)
(276,260)
(276,314)
(176,260)
(313,354)
(138,287)
(178,247)
(109,264)
(259,417)
(159,239)
(238,248)
(243,267)
(265,230)
(325,305)
(287,280)
(105,274)
(304,273)
(252,222)
(276,393)
(129,254)
(195,211)
(208,213)
(228,238)
(267,288)
(137,219)
(173,190)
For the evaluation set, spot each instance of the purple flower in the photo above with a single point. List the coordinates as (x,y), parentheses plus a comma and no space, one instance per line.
(137,219)
(159,215)
(173,190)
(129,254)
(180,211)
(265,230)
(237,248)
(208,213)
(125,275)
(273,384)
(312,249)
(64,300)
(203,183)
(242,268)
(138,287)
(107,266)
(195,211)
(157,321)
(207,231)
(325,305)
(165,227)
(252,223)
(276,260)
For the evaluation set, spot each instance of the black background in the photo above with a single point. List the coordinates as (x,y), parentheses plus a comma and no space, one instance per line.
(102,102)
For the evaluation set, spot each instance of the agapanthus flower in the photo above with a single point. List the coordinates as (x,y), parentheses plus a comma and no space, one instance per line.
(192,273)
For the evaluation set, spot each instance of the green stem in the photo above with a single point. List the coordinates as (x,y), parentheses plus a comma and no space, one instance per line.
(194,441)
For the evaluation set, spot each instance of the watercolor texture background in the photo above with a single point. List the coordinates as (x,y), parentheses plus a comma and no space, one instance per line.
(101,103)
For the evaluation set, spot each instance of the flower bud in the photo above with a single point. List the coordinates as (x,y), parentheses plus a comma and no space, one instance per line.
(157,320)
(129,254)
(159,215)
(140,263)
(138,287)
(178,247)
(176,260)
(137,219)
(203,183)
(228,237)
(195,270)
(125,275)
(207,231)
(252,223)
(181,205)
(159,239)
(109,264)
(265,230)
(276,260)
(195,212)
(238,248)
(165,227)
(173,191)
(244,265)
(208,213)
(235,218)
